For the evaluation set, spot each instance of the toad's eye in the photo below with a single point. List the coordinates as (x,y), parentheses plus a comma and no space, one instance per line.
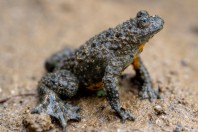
(143,23)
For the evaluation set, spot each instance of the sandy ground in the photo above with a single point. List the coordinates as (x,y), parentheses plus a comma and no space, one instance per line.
(32,30)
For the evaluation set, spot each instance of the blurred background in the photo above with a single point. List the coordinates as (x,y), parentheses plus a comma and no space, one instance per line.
(31,30)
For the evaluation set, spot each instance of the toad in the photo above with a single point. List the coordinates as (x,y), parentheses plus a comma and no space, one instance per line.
(97,64)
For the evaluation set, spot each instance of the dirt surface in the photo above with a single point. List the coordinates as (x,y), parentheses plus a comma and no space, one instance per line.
(34,29)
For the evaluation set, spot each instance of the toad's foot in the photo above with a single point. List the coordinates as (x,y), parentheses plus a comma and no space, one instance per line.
(147,92)
(126,115)
(53,106)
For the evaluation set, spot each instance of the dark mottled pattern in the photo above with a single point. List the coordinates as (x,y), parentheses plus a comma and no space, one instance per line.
(100,59)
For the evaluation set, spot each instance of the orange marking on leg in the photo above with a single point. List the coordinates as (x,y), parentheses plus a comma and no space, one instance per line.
(95,86)
(140,48)
(136,63)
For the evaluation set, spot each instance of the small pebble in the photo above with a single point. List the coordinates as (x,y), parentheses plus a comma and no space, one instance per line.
(36,122)
(178,128)
(159,122)
(159,110)
(184,62)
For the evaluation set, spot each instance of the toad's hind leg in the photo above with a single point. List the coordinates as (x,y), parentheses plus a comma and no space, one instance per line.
(50,88)
(56,58)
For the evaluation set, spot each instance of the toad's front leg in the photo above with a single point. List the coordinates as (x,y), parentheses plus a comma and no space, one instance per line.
(146,92)
(110,82)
